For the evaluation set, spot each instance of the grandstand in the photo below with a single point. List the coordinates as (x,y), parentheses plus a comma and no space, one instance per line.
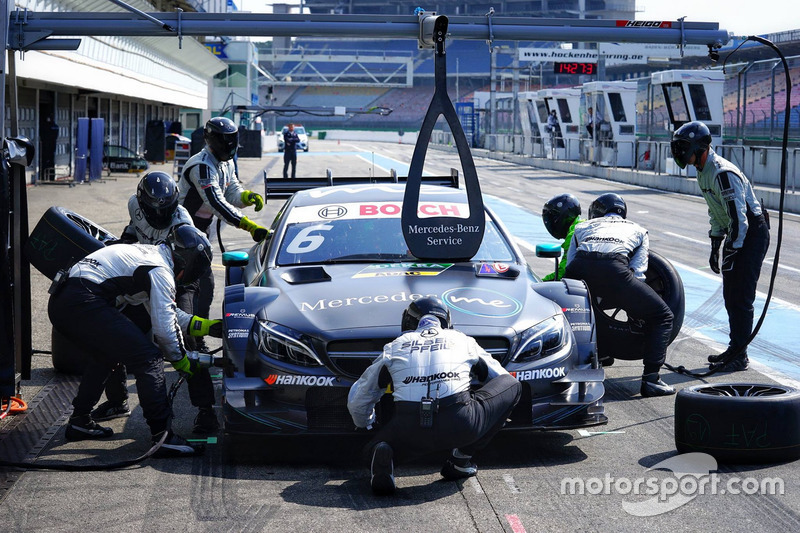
(754,89)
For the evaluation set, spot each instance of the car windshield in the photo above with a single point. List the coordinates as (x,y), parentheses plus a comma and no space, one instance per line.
(367,240)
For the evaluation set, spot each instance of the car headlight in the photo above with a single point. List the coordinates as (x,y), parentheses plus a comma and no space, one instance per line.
(542,340)
(285,344)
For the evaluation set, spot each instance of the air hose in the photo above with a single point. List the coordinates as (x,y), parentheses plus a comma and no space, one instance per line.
(716,367)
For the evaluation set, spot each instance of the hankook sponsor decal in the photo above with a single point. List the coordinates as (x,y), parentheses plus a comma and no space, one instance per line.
(540,373)
(482,302)
(441,376)
(308,381)
(403,269)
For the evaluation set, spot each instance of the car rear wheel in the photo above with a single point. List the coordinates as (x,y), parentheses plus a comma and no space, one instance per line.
(739,422)
(620,336)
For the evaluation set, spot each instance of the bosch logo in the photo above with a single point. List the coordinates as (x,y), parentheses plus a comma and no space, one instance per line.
(332,211)
(482,302)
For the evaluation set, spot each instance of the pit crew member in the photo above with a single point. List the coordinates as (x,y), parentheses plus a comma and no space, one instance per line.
(738,220)
(210,188)
(84,308)
(154,211)
(609,253)
(430,369)
(560,215)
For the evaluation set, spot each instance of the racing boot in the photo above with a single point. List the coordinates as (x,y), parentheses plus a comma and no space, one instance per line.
(108,411)
(84,428)
(724,355)
(738,364)
(458,466)
(653,386)
(206,421)
(382,469)
(176,446)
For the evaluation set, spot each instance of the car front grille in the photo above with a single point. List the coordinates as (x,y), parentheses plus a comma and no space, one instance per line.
(326,408)
(352,357)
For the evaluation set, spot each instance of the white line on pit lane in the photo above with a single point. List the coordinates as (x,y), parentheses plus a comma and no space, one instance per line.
(696,241)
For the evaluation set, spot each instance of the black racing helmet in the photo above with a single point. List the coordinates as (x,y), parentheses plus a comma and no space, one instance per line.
(222,137)
(608,203)
(157,195)
(690,139)
(191,253)
(559,213)
(429,305)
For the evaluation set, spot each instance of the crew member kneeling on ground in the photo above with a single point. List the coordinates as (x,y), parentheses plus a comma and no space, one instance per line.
(154,211)
(430,369)
(84,309)
(609,253)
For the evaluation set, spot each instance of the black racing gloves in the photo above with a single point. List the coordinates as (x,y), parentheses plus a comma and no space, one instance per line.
(259,233)
(713,259)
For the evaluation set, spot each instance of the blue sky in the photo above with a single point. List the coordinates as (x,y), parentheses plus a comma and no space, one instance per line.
(741,17)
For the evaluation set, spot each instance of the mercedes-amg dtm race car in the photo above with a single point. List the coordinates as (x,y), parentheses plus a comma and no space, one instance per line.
(309,308)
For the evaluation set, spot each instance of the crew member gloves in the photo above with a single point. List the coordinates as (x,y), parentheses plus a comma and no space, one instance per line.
(253,198)
(186,367)
(713,259)
(200,327)
(259,233)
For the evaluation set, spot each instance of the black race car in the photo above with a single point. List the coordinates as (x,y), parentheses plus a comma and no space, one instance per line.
(309,308)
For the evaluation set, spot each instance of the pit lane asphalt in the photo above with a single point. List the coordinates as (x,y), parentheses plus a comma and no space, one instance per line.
(320,484)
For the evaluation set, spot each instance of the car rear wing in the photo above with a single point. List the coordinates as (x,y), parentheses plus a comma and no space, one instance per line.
(284,188)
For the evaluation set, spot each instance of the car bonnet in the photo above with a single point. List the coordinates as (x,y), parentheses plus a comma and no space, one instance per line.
(482,297)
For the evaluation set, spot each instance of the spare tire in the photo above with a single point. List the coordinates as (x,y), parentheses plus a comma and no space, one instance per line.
(739,422)
(620,336)
(61,238)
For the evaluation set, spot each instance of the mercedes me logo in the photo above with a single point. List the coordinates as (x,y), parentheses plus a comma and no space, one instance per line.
(332,211)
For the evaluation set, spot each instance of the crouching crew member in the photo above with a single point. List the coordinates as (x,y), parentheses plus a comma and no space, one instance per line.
(154,211)
(84,309)
(609,253)
(736,218)
(429,369)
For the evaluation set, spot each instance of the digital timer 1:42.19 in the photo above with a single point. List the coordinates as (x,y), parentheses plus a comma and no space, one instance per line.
(574,68)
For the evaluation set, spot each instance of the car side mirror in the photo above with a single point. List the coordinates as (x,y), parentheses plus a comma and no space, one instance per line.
(235,259)
(548,250)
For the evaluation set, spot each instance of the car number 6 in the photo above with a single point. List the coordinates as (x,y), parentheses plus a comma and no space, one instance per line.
(304,242)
